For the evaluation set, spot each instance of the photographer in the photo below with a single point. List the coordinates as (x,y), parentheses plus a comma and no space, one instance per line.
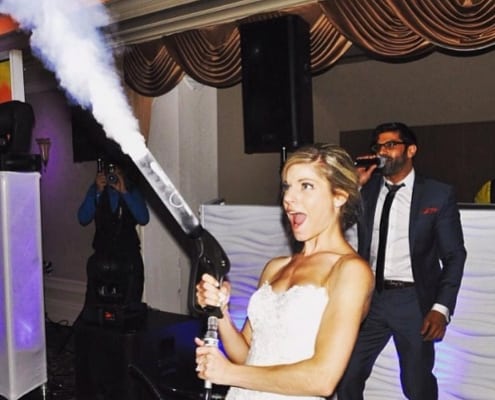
(115,270)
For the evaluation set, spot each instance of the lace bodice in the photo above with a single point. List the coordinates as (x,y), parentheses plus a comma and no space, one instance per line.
(284,331)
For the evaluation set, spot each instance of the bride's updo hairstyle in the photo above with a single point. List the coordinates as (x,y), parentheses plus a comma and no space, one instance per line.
(335,164)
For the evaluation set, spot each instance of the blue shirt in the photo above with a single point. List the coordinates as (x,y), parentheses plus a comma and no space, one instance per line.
(133,199)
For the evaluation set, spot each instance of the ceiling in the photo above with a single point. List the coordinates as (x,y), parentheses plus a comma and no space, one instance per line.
(138,21)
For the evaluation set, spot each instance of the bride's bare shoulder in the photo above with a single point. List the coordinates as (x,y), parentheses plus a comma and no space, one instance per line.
(352,266)
(273,267)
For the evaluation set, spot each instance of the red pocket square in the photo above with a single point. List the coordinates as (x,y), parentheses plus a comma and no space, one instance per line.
(429,210)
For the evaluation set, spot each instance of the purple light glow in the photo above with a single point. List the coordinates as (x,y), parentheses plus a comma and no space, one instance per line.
(21,282)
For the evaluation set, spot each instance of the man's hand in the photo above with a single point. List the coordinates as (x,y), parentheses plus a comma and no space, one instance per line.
(365,173)
(434,326)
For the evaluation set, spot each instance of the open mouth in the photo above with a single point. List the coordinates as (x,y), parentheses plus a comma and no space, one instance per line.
(297,219)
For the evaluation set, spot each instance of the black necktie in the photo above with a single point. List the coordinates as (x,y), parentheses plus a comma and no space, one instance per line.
(382,241)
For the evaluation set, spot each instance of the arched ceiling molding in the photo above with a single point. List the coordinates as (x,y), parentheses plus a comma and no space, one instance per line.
(139,21)
(463,25)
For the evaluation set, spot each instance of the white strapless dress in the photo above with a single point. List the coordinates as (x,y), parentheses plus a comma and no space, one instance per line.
(285,326)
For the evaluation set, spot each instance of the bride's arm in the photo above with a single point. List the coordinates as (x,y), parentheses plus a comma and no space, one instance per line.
(235,343)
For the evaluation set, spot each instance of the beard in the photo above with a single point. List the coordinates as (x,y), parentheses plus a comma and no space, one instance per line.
(394,165)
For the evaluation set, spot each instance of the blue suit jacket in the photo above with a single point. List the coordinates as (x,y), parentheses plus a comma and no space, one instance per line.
(436,241)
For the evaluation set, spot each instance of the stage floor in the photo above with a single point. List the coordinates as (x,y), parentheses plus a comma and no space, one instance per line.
(60,364)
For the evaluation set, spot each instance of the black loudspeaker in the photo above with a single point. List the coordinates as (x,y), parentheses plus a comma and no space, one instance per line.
(16,128)
(17,120)
(276,84)
(162,350)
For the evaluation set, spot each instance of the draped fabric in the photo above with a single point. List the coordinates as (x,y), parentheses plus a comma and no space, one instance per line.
(453,24)
(374,26)
(150,70)
(396,29)
(211,56)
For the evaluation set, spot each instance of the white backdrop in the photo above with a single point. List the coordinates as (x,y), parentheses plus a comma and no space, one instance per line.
(465,362)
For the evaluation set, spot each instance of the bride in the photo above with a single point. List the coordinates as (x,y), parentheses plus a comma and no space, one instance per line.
(303,320)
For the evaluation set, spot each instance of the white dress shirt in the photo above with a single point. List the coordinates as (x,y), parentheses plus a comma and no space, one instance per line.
(397,256)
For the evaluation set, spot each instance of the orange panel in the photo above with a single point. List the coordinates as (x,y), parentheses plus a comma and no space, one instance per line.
(7,24)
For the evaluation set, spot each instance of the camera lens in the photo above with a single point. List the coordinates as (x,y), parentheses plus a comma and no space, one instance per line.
(112,178)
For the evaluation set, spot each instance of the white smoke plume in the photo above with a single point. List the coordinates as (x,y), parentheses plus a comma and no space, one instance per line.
(66,36)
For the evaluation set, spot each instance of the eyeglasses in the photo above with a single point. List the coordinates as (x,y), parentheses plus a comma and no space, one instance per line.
(387,145)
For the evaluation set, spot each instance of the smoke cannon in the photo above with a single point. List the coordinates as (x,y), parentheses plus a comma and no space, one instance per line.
(210,257)
(168,194)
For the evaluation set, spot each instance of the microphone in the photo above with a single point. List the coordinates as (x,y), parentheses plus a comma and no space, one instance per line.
(367,162)
(211,340)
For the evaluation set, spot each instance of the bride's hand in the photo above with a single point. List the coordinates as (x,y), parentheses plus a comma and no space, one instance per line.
(211,364)
(210,293)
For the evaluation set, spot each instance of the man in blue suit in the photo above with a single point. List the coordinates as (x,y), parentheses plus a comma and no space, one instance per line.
(422,265)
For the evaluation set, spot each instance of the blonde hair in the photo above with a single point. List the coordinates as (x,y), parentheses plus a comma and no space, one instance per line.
(334,164)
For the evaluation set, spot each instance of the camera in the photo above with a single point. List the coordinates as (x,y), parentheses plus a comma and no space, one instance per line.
(109,170)
(111,175)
